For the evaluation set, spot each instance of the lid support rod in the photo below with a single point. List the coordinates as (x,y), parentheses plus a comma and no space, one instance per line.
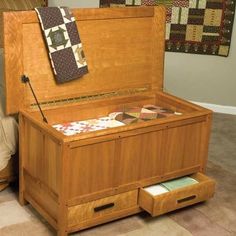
(25,79)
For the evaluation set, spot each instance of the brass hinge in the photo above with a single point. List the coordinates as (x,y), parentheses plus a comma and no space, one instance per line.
(91,97)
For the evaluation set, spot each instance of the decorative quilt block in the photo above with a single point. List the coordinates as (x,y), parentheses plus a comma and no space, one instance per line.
(141,114)
(133,115)
(179,15)
(63,42)
(133,2)
(117,3)
(161,111)
(127,119)
(148,2)
(120,3)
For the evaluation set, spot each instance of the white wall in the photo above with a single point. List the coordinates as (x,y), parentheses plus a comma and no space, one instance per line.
(200,78)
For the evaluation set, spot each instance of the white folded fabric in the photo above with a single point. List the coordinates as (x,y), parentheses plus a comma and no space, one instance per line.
(156,189)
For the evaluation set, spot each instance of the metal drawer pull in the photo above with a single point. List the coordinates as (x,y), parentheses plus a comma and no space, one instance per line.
(106,206)
(186,199)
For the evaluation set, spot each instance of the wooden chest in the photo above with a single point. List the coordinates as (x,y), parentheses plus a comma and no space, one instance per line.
(90,178)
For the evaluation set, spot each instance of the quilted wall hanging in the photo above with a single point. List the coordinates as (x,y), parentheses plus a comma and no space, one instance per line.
(192,26)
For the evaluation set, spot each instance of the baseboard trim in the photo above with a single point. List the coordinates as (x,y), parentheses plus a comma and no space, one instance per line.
(218,108)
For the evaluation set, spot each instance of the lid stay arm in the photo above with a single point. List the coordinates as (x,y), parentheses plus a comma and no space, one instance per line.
(25,79)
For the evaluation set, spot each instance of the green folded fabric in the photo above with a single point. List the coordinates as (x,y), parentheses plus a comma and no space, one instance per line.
(179,183)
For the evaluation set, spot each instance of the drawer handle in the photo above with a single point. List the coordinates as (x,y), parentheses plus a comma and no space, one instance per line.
(104,207)
(186,199)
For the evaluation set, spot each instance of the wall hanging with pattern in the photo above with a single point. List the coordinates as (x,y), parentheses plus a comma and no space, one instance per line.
(192,26)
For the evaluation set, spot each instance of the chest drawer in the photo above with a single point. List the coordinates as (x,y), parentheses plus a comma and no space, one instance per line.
(159,204)
(102,208)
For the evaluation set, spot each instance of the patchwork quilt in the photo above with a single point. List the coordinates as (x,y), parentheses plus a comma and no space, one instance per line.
(63,42)
(115,119)
(192,26)
(77,127)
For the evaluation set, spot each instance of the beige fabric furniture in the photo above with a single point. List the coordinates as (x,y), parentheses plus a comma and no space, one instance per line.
(8,137)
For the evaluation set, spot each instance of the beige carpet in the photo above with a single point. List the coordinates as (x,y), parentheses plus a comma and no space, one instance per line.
(216,217)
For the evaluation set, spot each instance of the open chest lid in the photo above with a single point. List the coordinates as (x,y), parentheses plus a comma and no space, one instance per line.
(124,49)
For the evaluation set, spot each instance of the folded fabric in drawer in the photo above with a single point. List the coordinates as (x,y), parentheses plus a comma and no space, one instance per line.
(179,183)
(170,185)
(193,189)
(156,189)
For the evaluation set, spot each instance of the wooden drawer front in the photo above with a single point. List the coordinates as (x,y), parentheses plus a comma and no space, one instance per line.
(102,207)
(166,202)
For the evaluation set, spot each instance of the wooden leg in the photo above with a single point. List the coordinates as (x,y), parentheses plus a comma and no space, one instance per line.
(22,200)
(22,155)
(62,221)
(62,232)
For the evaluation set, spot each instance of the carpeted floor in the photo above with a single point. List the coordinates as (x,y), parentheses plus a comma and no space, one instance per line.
(216,217)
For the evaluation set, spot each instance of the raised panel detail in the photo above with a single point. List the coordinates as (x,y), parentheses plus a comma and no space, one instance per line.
(91,168)
(42,157)
(140,157)
(181,147)
(34,150)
